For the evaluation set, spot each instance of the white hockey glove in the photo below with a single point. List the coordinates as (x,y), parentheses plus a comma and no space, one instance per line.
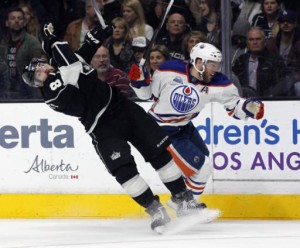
(253,108)
(48,37)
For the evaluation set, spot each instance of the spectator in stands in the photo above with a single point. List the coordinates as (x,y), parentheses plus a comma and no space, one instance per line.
(119,45)
(139,45)
(259,71)
(211,22)
(248,9)
(238,39)
(157,55)
(32,23)
(77,29)
(157,7)
(111,9)
(191,39)
(133,13)
(287,45)
(4,80)
(176,28)
(267,20)
(17,49)
(110,75)
(62,12)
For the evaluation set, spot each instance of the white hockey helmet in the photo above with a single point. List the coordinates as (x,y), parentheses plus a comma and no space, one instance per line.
(206,52)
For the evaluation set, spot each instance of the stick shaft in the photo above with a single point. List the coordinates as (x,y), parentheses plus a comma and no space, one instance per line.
(99,15)
(157,31)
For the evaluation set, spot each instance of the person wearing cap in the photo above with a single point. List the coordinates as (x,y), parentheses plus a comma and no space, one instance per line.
(139,45)
(287,45)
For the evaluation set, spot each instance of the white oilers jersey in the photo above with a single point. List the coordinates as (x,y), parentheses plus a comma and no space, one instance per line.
(179,97)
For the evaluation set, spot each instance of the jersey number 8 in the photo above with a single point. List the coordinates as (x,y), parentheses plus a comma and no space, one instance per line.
(55,85)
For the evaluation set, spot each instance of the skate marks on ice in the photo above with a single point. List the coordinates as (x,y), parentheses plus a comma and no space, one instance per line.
(136,233)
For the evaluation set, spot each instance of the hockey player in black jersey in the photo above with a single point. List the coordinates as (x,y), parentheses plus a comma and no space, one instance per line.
(70,85)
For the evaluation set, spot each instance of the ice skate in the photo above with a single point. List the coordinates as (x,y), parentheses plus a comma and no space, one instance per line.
(187,205)
(172,203)
(159,217)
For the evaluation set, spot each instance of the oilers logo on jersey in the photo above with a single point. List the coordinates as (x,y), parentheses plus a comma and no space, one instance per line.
(184,98)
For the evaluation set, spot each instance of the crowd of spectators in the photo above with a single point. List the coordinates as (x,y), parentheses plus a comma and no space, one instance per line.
(265,56)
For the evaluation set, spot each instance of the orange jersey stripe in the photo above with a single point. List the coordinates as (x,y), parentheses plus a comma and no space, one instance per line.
(184,168)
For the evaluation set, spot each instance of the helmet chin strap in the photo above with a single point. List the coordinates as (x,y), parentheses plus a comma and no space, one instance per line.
(201,72)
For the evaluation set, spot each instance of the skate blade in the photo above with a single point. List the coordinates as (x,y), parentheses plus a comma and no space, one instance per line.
(160,229)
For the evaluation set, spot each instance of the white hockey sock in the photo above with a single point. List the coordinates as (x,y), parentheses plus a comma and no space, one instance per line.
(197,181)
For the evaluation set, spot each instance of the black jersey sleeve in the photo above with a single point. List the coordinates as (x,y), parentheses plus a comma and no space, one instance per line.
(63,54)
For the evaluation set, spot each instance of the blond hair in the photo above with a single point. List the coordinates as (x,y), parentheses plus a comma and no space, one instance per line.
(140,23)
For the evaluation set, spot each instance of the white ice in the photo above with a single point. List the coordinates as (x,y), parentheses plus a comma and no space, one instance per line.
(136,233)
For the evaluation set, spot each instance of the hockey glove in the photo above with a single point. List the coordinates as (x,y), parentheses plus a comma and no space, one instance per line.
(253,108)
(139,76)
(97,35)
(48,38)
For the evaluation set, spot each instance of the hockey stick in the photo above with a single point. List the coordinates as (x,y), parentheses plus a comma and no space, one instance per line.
(98,13)
(157,31)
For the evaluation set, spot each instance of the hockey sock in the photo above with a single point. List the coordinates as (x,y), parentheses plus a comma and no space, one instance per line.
(197,181)
(139,190)
(171,176)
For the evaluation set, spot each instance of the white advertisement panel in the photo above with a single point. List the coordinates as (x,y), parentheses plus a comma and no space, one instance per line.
(43,151)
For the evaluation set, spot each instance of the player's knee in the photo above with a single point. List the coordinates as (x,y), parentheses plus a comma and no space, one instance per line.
(205,170)
(169,173)
(161,160)
(125,173)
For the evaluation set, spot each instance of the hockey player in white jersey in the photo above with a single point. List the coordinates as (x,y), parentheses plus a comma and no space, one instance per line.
(180,91)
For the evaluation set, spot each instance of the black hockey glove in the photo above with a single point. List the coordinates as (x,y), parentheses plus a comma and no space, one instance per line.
(97,35)
(48,38)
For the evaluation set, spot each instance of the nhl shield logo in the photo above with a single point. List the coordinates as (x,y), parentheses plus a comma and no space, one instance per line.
(184,98)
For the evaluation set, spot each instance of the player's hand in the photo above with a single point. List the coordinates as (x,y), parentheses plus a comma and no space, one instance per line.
(48,38)
(98,35)
(139,76)
(253,108)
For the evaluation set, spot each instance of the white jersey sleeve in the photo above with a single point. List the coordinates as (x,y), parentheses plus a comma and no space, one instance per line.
(153,89)
(232,102)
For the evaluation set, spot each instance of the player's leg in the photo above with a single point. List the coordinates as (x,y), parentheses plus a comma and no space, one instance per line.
(152,142)
(114,151)
(191,155)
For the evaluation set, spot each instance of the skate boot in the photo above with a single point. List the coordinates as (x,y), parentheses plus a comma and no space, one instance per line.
(159,216)
(172,203)
(187,206)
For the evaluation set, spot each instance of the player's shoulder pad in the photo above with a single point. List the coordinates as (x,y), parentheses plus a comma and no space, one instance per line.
(219,79)
(173,65)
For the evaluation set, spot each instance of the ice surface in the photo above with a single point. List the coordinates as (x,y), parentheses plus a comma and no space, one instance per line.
(136,233)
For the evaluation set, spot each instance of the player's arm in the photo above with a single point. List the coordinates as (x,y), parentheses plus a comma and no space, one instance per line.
(140,81)
(93,40)
(241,108)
